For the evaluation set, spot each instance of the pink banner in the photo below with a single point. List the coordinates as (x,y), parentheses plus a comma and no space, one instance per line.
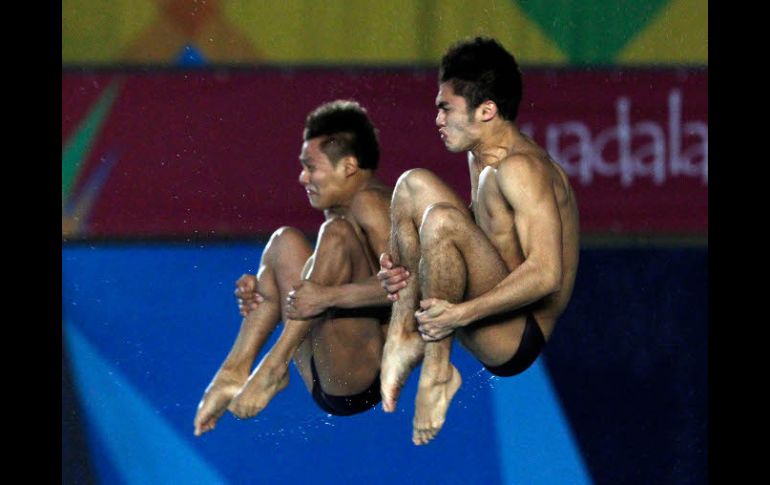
(201,153)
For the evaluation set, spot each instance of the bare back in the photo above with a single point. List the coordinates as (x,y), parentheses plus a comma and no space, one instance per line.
(496,217)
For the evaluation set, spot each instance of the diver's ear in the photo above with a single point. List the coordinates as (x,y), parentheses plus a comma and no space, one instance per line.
(350,164)
(486,110)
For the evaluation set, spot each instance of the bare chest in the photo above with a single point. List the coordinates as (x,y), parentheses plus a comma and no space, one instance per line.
(496,217)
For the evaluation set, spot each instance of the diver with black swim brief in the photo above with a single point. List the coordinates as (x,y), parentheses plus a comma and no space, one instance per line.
(328,296)
(496,275)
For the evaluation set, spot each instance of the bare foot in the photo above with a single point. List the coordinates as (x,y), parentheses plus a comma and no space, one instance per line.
(216,397)
(265,382)
(400,355)
(432,403)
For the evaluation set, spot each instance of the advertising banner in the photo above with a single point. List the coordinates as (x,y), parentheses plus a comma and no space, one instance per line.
(215,153)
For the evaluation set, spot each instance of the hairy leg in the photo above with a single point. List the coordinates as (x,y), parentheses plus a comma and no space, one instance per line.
(346,351)
(280,267)
(442,275)
(403,347)
(494,339)
(415,191)
(449,241)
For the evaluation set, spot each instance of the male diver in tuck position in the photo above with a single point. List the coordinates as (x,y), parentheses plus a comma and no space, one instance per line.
(329,298)
(496,276)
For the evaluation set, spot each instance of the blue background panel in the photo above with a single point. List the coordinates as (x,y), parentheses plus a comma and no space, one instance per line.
(619,395)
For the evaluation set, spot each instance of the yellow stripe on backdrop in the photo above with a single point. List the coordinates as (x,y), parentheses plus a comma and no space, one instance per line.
(393,32)
(199,24)
(678,34)
(343,31)
(293,31)
(98,31)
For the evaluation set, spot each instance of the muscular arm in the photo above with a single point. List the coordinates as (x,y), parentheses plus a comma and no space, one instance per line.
(364,293)
(526,185)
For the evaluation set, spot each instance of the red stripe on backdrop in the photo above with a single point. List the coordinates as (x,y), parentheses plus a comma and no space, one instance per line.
(215,153)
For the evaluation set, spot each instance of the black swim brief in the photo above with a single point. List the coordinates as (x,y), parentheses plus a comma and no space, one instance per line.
(345,405)
(532,342)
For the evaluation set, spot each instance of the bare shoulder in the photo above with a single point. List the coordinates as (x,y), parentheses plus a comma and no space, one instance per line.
(523,167)
(374,195)
(533,176)
(371,201)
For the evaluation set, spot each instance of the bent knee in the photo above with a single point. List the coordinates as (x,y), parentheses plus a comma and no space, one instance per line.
(415,179)
(440,218)
(287,235)
(287,238)
(338,230)
(414,188)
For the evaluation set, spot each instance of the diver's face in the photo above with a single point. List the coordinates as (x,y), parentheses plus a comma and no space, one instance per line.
(322,180)
(456,126)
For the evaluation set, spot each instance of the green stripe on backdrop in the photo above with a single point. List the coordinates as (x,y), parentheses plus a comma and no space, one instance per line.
(78,146)
(591,31)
